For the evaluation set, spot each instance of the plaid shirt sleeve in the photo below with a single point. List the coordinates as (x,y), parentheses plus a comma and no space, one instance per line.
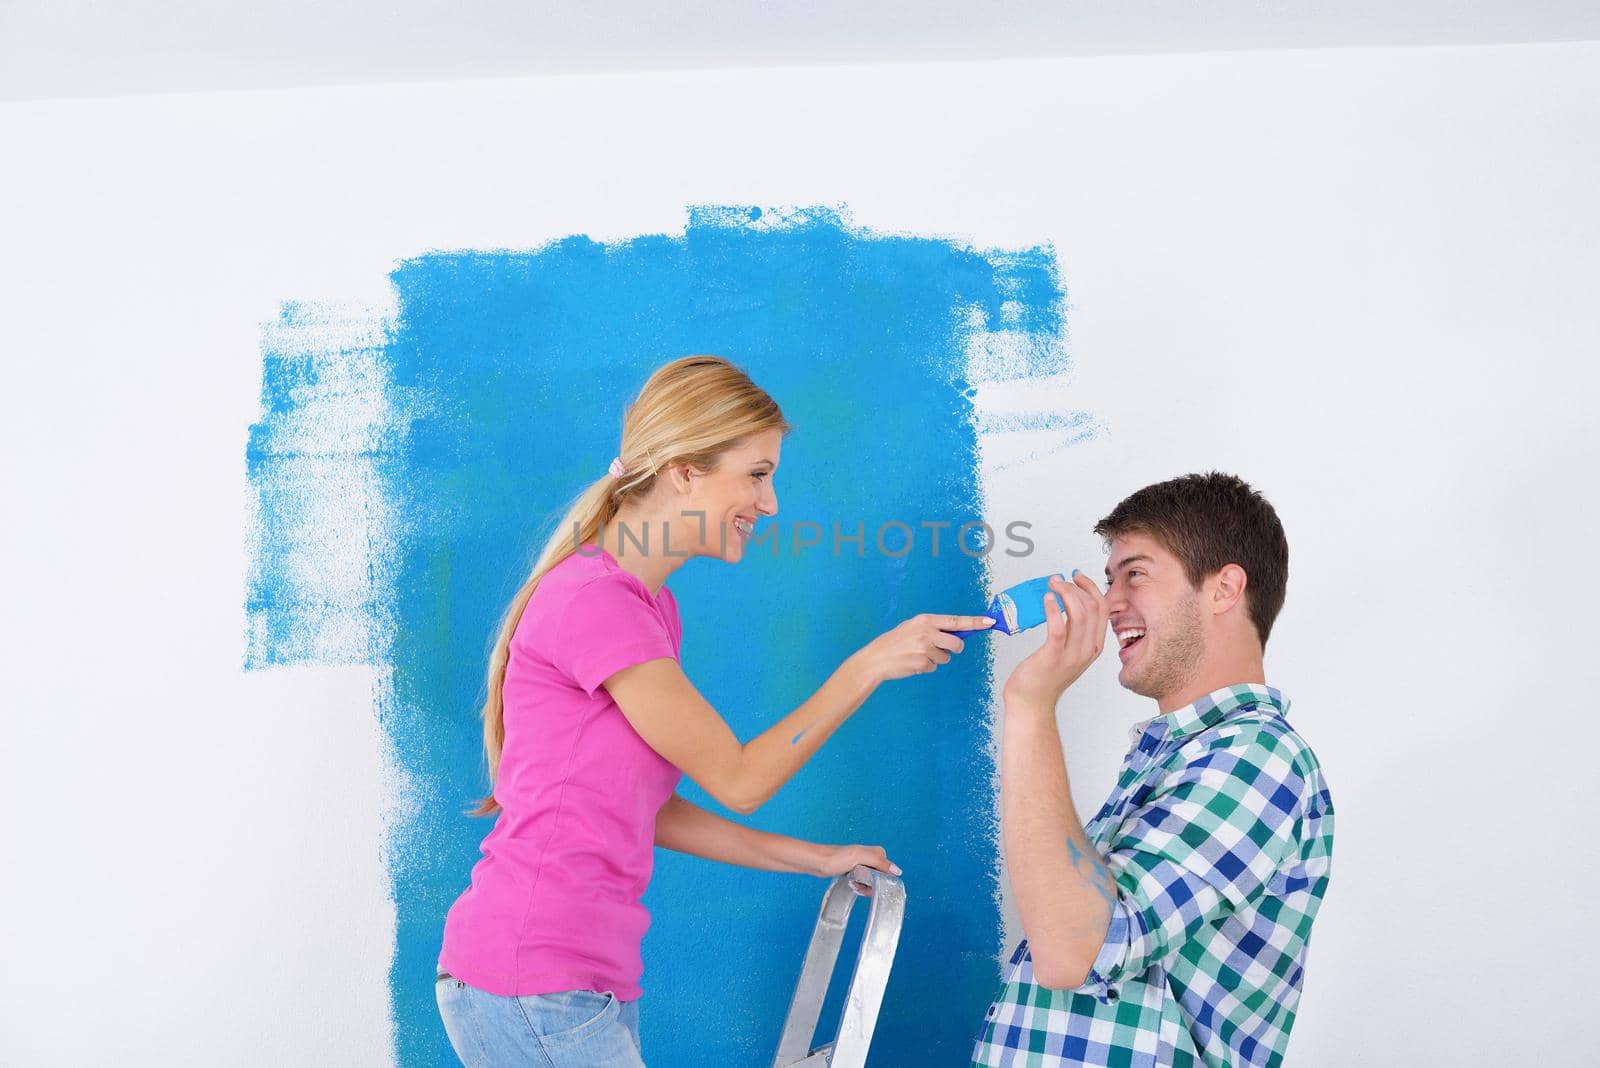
(1205,841)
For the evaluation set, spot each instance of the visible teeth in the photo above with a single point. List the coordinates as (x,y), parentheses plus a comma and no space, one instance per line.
(1126,636)
(743,527)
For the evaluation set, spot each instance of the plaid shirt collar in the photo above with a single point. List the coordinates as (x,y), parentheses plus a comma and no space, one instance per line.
(1207,712)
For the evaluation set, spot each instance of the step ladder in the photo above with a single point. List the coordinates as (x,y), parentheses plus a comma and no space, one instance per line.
(865,996)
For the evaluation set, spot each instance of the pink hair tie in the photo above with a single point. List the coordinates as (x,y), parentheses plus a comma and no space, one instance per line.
(617,470)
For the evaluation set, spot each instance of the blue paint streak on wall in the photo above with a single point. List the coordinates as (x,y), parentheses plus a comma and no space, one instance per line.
(319,462)
(526,360)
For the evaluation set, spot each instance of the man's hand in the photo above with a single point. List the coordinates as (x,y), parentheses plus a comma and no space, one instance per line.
(1072,642)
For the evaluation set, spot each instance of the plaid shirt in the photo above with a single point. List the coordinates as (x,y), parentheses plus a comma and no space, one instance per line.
(1219,835)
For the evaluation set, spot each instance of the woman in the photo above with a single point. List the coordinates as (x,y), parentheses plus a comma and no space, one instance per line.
(590,723)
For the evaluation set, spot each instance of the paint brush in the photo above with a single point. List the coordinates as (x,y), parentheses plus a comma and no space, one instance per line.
(1016,608)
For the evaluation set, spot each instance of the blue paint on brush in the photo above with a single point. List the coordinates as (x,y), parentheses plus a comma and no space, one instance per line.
(1016,608)
(502,378)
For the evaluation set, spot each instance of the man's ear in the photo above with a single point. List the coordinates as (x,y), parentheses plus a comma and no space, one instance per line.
(1227,589)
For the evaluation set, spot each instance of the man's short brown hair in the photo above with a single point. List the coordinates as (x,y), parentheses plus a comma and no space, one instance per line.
(1208,521)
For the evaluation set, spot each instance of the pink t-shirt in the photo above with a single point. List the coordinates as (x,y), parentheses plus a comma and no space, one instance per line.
(554,903)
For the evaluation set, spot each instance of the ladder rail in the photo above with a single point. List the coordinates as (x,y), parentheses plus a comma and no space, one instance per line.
(868,980)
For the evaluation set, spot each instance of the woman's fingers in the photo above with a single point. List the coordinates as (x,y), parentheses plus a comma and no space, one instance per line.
(876,858)
(959,622)
(844,860)
(931,643)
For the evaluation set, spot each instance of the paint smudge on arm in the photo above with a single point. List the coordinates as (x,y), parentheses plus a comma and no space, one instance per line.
(1096,874)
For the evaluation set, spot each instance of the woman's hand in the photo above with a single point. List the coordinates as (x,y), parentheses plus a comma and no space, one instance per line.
(839,860)
(917,646)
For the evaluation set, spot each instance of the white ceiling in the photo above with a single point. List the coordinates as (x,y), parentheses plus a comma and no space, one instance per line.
(54,48)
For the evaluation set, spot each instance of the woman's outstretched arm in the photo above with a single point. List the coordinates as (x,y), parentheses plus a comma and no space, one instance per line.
(684,827)
(678,723)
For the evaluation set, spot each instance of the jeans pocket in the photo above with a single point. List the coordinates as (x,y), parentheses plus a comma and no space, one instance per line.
(568,1014)
(581,1028)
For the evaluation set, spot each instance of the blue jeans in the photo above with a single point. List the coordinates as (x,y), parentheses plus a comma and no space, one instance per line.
(572,1029)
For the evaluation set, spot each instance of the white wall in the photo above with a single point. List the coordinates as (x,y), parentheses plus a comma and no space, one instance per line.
(1362,279)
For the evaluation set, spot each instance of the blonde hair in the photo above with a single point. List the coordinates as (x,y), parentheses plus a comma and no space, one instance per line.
(690,411)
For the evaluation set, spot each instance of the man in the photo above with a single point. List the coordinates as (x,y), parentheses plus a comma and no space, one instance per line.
(1172,929)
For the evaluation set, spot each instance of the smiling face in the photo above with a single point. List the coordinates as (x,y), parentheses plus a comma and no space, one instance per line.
(735,495)
(1156,617)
